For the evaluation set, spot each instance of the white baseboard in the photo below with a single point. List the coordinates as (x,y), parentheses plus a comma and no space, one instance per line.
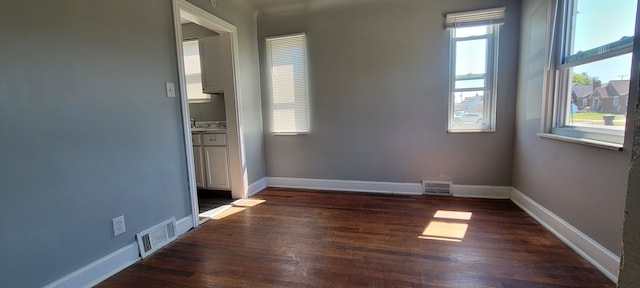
(257,186)
(603,259)
(475,191)
(346,185)
(183,225)
(479,191)
(107,266)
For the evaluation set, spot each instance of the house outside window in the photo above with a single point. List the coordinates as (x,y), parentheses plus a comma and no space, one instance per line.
(474,54)
(592,65)
(288,93)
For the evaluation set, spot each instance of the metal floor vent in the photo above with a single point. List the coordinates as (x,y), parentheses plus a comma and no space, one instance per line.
(157,236)
(436,187)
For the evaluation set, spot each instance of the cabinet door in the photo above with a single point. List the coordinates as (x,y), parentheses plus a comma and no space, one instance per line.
(211,65)
(199,166)
(217,168)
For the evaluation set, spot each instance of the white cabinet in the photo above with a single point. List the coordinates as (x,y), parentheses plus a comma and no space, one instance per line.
(196,141)
(215,158)
(211,161)
(199,166)
(211,65)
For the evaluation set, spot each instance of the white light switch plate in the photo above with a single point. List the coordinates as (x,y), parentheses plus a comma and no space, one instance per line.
(171,89)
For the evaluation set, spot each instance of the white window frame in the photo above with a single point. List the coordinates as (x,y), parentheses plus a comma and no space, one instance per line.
(559,78)
(492,19)
(300,102)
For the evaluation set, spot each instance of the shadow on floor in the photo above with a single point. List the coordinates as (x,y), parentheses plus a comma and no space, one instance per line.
(211,199)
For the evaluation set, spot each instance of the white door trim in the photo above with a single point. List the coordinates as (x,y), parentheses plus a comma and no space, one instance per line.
(230,64)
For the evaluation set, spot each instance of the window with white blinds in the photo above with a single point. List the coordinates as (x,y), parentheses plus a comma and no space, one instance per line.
(287,68)
(474,55)
(193,72)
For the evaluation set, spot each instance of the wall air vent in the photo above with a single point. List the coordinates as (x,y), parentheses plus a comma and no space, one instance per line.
(436,187)
(157,236)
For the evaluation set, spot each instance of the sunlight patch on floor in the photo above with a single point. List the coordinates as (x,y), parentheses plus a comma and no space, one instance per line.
(438,230)
(453,229)
(228,210)
(248,202)
(458,215)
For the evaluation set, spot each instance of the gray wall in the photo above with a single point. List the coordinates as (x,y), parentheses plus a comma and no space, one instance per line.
(584,185)
(87,132)
(378,75)
(242,14)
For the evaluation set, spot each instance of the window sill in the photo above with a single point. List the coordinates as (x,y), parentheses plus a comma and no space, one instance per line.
(583,141)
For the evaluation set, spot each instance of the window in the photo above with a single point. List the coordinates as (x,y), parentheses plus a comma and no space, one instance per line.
(593,45)
(287,70)
(474,48)
(193,71)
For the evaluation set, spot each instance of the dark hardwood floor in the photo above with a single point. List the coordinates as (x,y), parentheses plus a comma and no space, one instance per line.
(301,238)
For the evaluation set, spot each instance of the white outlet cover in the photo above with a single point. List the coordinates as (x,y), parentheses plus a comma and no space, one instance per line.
(118,225)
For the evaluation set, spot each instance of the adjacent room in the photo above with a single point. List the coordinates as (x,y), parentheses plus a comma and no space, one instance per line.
(324,143)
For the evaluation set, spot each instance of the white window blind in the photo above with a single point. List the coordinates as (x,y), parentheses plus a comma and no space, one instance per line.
(287,68)
(193,72)
(475,18)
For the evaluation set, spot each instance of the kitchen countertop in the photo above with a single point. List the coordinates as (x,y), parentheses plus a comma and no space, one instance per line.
(209,127)
(208,130)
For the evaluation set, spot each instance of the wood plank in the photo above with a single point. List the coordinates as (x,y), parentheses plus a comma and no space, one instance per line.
(305,238)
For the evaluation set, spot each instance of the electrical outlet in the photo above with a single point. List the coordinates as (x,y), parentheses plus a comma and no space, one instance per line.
(118,225)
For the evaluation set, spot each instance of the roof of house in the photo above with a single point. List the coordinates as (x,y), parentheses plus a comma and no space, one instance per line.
(601,91)
(581,90)
(620,86)
(612,88)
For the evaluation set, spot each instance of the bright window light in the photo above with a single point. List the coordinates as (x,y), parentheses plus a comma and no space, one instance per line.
(458,215)
(193,72)
(592,61)
(473,71)
(287,68)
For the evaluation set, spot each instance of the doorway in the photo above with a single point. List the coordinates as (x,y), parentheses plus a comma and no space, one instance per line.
(228,50)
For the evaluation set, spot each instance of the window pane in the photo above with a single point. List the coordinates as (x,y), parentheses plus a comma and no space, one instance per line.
(599,93)
(471,31)
(471,57)
(472,99)
(465,84)
(602,22)
(468,110)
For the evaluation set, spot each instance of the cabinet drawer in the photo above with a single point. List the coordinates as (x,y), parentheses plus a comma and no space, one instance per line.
(196,140)
(214,139)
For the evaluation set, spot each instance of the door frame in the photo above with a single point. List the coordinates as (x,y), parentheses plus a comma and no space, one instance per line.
(230,67)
